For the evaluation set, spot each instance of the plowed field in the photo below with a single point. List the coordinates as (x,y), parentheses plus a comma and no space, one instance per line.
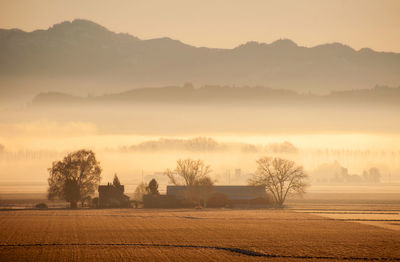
(189,235)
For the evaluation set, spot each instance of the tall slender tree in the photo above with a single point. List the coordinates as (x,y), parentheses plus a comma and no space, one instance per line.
(116,181)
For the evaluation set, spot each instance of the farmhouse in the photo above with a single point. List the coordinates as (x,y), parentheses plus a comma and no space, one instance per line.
(112,196)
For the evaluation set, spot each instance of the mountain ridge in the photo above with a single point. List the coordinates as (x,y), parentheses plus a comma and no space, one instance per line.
(88,23)
(84,48)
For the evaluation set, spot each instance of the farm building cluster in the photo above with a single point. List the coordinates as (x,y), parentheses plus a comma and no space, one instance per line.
(112,196)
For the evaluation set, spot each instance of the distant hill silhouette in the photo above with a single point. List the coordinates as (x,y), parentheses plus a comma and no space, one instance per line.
(83,48)
(225,95)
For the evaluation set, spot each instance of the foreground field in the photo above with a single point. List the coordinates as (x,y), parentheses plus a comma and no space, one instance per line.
(189,235)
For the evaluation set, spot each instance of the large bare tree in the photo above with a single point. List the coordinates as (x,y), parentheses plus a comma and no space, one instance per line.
(281,177)
(193,174)
(75,177)
(188,172)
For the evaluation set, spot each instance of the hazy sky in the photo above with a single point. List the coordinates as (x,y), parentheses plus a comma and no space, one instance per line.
(224,23)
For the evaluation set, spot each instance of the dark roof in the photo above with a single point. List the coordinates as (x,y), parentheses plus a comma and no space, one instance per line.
(111,188)
(232,192)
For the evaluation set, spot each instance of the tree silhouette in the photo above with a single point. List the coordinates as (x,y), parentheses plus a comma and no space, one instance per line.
(202,190)
(152,188)
(140,191)
(187,172)
(280,177)
(194,175)
(72,192)
(116,182)
(75,177)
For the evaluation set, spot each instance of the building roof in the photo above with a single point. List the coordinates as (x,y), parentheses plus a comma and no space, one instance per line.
(103,188)
(232,192)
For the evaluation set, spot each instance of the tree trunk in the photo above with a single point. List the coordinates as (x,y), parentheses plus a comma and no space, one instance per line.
(280,203)
(73,204)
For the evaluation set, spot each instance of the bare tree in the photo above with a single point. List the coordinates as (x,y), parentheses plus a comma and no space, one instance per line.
(187,172)
(281,177)
(194,175)
(202,190)
(140,191)
(75,177)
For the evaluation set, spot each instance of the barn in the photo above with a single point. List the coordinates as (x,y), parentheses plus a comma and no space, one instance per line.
(236,196)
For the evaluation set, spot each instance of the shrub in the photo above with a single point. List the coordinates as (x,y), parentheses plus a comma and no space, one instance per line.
(41,205)
(218,200)
(261,201)
(95,203)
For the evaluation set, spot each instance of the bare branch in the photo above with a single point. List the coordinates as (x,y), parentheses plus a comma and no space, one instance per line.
(280,177)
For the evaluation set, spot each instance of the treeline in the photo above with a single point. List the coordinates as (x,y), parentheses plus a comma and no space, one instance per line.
(356,152)
(187,94)
(6,154)
(206,144)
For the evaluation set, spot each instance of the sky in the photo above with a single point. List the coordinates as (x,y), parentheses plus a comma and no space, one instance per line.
(224,23)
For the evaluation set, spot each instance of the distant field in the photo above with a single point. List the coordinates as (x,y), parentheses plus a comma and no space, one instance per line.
(385,214)
(189,235)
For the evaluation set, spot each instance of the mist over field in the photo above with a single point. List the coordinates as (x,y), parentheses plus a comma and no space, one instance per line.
(263,130)
(114,94)
(25,159)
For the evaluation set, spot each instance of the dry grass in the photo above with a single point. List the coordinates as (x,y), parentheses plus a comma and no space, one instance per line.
(126,235)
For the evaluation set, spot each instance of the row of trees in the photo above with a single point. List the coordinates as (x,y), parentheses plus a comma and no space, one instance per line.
(76,177)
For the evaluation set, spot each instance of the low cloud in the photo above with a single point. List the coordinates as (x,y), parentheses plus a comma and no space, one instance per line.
(46,128)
